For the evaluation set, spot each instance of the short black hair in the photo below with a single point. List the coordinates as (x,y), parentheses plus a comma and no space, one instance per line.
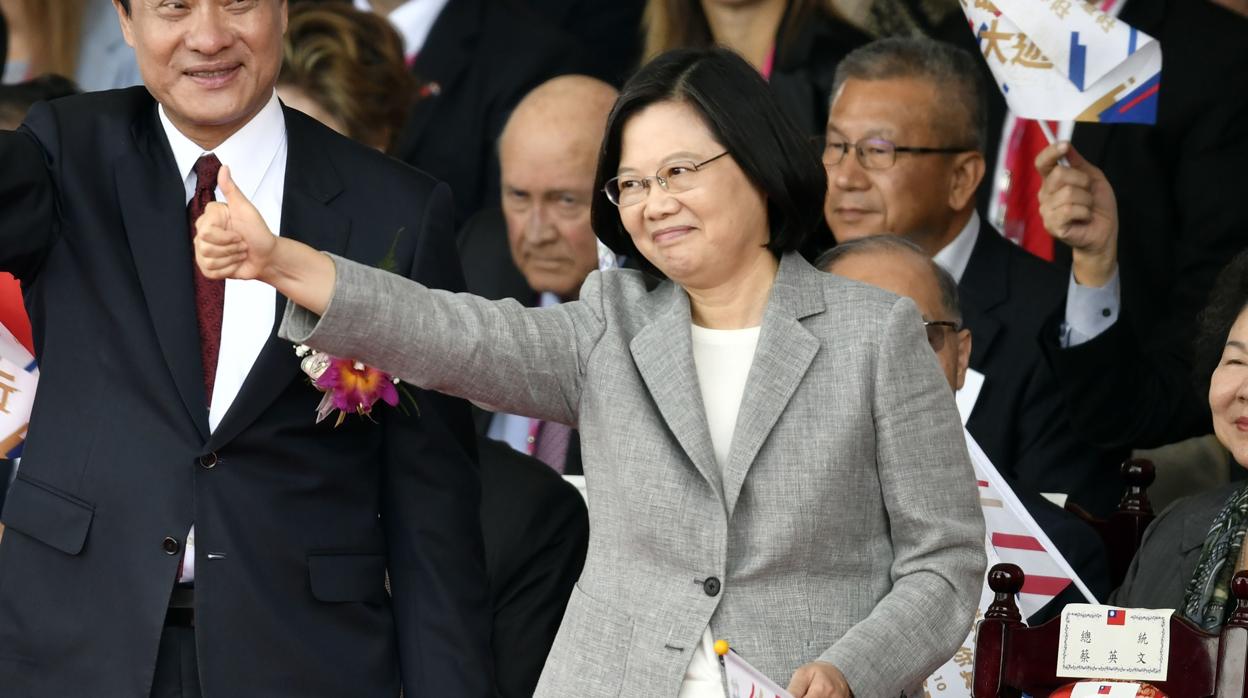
(1227,299)
(893,243)
(961,114)
(738,108)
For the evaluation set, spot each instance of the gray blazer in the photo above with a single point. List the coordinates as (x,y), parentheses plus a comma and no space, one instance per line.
(844,528)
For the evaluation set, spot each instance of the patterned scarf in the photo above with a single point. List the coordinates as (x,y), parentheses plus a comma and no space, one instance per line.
(1207,601)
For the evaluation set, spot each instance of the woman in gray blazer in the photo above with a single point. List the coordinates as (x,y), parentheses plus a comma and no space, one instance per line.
(771,453)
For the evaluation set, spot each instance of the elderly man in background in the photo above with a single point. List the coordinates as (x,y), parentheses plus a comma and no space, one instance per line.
(899,265)
(538,246)
(904,154)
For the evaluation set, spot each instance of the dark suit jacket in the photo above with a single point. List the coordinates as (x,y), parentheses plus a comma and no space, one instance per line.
(481,58)
(489,272)
(1019,419)
(296,523)
(536,531)
(1178,186)
(1167,557)
(801,77)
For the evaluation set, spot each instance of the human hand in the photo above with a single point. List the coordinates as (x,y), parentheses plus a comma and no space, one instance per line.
(1078,207)
(819,680)
(232,240)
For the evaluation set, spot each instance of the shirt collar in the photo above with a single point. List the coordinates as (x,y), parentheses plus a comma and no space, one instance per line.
(414,19)
(248,152)
(954,257)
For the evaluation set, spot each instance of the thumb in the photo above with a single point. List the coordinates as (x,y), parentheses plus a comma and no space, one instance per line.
(1049,158)
(233,196)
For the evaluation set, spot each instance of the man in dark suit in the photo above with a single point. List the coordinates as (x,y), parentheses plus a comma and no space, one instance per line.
(479,58)
(904,156)
(538,246)
(1177,184)
(536,531)
(180,524)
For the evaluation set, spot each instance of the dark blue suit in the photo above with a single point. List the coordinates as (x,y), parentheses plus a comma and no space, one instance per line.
(302,521)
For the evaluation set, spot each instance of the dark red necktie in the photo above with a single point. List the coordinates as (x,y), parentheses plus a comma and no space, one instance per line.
(209,294)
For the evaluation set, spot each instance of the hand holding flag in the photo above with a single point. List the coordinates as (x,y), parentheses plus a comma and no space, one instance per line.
(1078,207)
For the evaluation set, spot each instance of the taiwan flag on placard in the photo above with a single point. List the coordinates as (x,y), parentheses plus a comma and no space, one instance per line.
(1103,690)
(1115,617)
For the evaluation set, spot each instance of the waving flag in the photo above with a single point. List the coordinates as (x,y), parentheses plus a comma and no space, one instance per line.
(18,377)
(1011,535)
(1067,60)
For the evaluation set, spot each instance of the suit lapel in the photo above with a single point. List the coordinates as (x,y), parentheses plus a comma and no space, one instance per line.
(784,354)
(311,183)
(984,286)
(663,353)
(153,209)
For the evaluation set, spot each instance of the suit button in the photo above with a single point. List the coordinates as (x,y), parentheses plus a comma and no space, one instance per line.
(711,586)
(171,546)
(208,461)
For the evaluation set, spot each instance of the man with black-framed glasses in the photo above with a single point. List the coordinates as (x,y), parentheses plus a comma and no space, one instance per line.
(904,154)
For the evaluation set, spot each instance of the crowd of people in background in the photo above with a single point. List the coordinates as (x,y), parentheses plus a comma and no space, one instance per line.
(867,138)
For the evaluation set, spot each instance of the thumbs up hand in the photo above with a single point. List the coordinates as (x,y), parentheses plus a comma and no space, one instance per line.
(232,240)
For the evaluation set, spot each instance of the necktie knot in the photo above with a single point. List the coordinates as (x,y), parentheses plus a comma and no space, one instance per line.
(206,169)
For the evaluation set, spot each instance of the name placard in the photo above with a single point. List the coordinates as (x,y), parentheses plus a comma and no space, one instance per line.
(1106,642)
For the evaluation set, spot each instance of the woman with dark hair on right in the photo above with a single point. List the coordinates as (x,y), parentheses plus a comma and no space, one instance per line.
(1204,534)
(772,454)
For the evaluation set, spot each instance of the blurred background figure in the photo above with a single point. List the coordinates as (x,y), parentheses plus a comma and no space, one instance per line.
(79,39)
(538,245)
(904,155)
(795,44)
(345,67)
(474,60)
(896,264)
(607,33)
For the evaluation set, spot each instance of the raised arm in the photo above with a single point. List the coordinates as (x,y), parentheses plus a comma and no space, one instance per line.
(496,353)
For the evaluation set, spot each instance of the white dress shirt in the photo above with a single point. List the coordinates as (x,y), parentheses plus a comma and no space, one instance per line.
(256,156)
(954,257)
(413,19)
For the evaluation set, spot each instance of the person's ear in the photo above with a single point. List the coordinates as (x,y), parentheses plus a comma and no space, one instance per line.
(127,32)
(965,176)
(964,355)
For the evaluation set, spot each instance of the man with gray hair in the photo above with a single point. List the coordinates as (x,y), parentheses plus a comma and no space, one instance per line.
(896,264)
(538,245)
(904,154)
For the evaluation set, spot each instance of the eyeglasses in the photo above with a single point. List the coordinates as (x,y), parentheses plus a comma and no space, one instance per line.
(674,177)
(876,153)
(936,332)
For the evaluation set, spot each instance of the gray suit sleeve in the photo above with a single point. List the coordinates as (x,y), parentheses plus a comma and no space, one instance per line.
(527,361)
(937,527)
